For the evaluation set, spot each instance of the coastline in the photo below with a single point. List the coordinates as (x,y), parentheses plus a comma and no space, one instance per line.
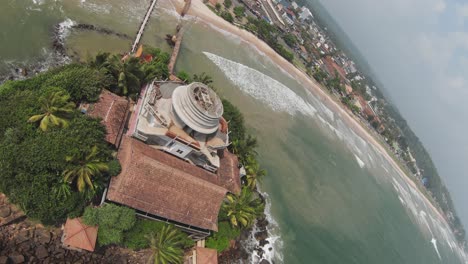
(200,10)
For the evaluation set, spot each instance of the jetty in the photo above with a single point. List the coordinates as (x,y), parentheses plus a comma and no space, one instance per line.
(142,26)
(177,40)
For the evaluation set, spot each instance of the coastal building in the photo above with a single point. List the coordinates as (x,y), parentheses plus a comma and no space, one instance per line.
(175,164)
(287,19)
(305,14)
(294,5)
(183,120)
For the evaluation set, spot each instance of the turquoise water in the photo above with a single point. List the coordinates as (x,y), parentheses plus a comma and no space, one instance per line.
(334,199)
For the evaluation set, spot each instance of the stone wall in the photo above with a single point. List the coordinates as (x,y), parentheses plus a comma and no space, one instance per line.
(23,241)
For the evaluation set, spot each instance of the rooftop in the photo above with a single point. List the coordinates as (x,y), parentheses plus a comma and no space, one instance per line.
(78,235)
(112,109)
(160,184)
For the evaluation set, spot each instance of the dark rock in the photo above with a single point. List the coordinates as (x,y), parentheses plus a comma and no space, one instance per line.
(264,261)
(16,258)
(41,252)
(5,211)
(22,236)
(262,235)
(264,242)
(42,236)
(3,259)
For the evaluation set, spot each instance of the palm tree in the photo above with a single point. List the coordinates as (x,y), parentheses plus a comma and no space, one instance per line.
(85,167)
(203,78)
(242,210)
(127,73)
(254,172)
(54,108)
(244,148)
(166,246)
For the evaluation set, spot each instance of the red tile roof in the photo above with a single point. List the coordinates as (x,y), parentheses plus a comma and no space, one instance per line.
(229,172)
(206,256)
(112,109)
(160,184)
(79,235)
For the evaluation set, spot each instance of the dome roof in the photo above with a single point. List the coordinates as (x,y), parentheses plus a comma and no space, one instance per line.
(198,106)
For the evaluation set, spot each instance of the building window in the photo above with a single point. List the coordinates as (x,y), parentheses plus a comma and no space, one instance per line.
(179,151)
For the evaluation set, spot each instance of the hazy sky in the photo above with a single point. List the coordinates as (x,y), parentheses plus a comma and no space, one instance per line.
(419,49)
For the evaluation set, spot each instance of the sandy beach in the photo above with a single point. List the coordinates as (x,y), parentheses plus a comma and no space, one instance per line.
(201,11)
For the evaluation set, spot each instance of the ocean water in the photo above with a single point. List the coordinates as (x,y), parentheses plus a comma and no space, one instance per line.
(332,197)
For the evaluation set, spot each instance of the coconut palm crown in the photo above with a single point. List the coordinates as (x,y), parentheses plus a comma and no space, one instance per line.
(54,109)
(85,167)
(242,210)
(166,246)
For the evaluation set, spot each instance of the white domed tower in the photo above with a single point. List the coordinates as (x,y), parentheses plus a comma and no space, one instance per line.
(198,107)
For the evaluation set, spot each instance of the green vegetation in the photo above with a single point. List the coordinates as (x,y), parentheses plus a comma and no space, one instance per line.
(32,160)
(184,76)
(290,39)
(126,75)
(220,240)
(319,75)
(242,211)
(203,78)
(135,238)
(226,15)
(167,246)
(55,106)
(227,3)
(239,11)
(84,167)
(112,220)
(236,121)
(269,34)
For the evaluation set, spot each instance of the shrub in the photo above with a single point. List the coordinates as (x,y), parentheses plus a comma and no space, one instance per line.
(135,238)
(227,3)
(83,83)
(184,76)
(114,167)
(220,240)
(227,16)
(112,220)
(239,11)
(235,119)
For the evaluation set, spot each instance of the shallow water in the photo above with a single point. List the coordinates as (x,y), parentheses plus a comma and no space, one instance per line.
(333,197)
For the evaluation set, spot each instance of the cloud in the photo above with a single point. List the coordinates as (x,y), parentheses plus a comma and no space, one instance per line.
(462,11)
(440,6)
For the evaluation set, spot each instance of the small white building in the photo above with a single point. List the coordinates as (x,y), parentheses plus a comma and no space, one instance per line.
(287,19)
(305,14)
(294,5)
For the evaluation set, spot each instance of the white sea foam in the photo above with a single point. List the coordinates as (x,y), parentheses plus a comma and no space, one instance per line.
(262,87)
(359,161)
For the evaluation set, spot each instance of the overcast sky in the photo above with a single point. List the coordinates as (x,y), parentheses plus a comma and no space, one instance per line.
(419,49)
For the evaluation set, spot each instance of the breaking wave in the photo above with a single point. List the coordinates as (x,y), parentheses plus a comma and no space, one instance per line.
(263,88)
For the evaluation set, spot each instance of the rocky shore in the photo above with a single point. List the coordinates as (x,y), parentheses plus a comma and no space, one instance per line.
(253,240)
(23,241)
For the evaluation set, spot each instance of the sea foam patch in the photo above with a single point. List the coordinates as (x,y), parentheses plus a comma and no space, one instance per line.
(274,94)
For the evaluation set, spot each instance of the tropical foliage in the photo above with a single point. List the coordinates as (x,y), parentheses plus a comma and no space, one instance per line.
(242,211)
(136,237)
(55,106)
(254,172)
(32,162)
(221,239)
(203,78)
(127,74)
(166,246)
(85,167)
(112,220)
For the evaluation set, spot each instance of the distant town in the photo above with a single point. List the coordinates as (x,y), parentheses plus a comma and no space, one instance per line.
(294,32)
